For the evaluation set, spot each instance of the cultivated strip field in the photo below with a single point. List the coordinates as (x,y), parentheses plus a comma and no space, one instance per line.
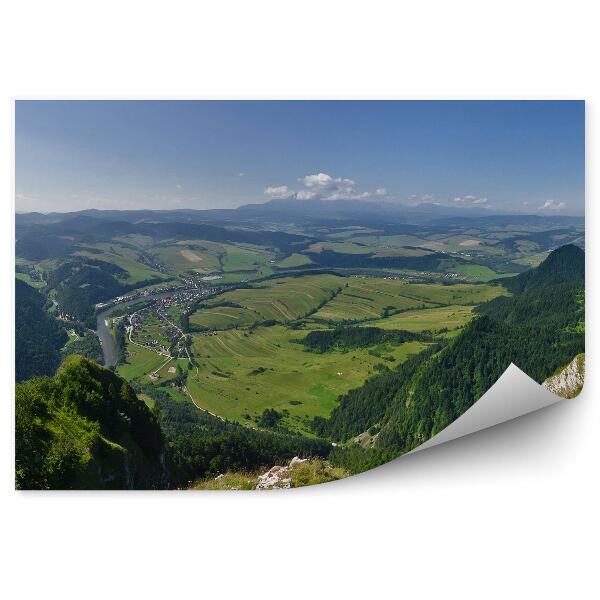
(429,319)
(371,298)
(284,299)
(224,317)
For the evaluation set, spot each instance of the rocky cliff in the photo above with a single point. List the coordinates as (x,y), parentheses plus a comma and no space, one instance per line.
(568,382)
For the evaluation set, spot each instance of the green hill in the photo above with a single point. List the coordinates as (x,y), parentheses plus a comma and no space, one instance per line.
(548,296)
(539,328)
(85,428)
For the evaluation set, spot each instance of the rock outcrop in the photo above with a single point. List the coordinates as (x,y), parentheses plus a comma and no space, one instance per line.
(568,382)
(278,477)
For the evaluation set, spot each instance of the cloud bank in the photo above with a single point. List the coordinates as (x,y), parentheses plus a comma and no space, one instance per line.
(324,187)
(553,205)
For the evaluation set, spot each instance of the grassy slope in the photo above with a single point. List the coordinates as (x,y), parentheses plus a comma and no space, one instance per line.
(224,317)
(365,299)
(227,386)
(284,299)
(140,361)
(123,257)
(450,317)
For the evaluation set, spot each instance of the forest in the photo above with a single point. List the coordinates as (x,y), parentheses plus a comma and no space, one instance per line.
(346,338)
(80,283)
(38,336)
(199,444)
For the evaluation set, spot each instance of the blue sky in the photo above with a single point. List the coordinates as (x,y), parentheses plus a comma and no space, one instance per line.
(505,156)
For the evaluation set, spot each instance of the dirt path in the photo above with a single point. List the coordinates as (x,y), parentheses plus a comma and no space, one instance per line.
(199,407)
(227,347)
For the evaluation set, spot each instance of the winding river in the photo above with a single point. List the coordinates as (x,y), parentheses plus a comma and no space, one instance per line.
(107,341)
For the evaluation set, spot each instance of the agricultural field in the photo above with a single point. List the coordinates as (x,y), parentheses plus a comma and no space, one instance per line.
(224,317)
(234,261)
(294,260)
(245,369)
(123,257)
(187,257)
(403,251)
(243,372)
(284,299)
(36,283)
(342,247)
(533,260)
(140,362)
(365,299)
(244,257)
(388,241)
(429,319)
(168,372)
(477,272)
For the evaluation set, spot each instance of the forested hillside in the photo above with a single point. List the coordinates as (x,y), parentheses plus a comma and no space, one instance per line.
(539,328)
(81,283)
(85,428)
(38,336)
(200,444)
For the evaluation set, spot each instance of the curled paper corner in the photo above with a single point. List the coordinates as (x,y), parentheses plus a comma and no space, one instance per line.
(513,395)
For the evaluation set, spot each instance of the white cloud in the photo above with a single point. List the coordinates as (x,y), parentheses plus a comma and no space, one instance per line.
(552,205)
(470,200)
(278,192)
(325,187)
(322,181)
(416,199)
(331,188)
(241,174)
(305,195)
(178,186)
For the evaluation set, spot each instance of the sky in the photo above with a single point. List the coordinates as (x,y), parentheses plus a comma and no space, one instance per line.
(506,156)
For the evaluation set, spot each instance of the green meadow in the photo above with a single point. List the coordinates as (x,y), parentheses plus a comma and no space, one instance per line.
(429,319)
(140,362)
(243,372)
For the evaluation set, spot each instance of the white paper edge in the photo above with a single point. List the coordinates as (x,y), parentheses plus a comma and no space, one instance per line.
(513,395)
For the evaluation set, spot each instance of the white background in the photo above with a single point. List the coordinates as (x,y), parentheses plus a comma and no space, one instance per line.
(507,513)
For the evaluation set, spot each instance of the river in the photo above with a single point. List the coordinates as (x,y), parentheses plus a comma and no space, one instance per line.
(107,341)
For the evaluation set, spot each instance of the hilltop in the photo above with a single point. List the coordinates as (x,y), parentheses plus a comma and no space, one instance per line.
(85,428)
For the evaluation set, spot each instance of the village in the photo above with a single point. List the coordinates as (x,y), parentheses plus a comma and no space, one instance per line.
(162,325)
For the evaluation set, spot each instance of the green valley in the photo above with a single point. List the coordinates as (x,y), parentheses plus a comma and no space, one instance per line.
(249,346)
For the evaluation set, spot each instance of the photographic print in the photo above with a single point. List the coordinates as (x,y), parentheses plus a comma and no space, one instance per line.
(255,295)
